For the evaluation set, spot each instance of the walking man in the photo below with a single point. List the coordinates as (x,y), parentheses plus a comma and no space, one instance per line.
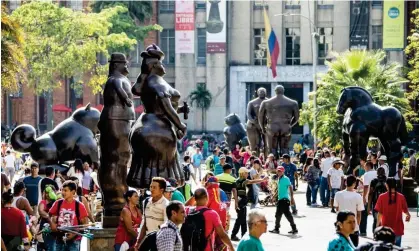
(326,164)
(197,160)
(168,238)
(257,226)
(285,198)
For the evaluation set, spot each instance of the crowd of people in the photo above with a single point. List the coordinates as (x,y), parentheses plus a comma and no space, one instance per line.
(213,184)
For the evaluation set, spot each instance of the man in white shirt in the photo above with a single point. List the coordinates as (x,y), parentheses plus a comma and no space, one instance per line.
(335,177)
(382,163)
(412,164)
(9,165)
(154,209)
(325,165)
(350,200)
(369,175)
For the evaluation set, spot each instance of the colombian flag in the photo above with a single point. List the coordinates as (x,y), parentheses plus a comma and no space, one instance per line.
(272,42)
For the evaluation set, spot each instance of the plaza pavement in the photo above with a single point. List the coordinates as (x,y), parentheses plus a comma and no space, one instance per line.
(316,228)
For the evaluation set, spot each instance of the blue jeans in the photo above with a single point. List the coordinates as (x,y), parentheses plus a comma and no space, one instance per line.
(49,242)
(68,246)
(398,241)
(308,195)
(364,218)
(324,191)
(314,187)
(117,247)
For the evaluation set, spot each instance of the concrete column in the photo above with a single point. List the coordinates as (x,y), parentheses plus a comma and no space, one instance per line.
(308,10)
(341,23)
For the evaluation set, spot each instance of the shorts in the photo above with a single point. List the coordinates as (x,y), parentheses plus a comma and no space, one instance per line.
(333,192)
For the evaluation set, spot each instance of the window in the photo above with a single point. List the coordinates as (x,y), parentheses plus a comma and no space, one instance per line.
(167,6)
(325,44)
(42,109)
(201,5)
(77,5)
(292,4)
(167,41)
(259,5)
(377,37)
(135,54)
(13,4)
(292,43)
(377,4)
(202,46)
(259,47)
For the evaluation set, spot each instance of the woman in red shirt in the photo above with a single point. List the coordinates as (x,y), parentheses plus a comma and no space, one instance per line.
(15,233)
(390,207)
(129,222)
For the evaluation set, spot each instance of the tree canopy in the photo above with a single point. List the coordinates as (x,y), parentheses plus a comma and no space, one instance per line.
(353,68)
(60,42)
(13,60)
(412,53)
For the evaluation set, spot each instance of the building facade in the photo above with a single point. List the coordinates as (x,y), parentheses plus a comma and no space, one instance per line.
(231,62)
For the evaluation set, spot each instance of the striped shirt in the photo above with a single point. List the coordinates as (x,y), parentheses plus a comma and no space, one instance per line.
(155,213)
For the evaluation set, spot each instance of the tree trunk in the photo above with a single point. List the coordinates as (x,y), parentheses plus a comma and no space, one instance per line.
(202,119)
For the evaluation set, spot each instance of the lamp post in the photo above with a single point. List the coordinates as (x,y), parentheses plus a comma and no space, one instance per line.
(314,50)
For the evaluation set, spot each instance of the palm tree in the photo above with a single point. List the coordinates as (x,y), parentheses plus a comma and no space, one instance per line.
(140,10)
(353,68)
(13,60)
(202,98)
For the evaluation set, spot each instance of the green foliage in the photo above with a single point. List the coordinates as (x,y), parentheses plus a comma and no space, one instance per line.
(62,43)
(412,53)
(13,60)
(201,97)
(138,11)
(353,68)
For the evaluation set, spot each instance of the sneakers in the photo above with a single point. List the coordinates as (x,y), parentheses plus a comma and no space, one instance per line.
(274,231)
(235,238)
(314,205)
(294,231)
(333,210)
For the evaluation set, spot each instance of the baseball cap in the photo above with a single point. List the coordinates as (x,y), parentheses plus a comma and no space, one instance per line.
(281,168)
(212,179)
(383,157)
(243,170)
(222,156)
(169,187)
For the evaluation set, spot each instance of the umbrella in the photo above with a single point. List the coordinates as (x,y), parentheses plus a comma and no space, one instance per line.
(61,108)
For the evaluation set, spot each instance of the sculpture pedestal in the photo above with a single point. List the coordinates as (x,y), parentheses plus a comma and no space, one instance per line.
(104,239)
(110,221)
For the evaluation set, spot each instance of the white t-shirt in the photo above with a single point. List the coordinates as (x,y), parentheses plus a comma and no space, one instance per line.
(335,177)
(326,165)
(155,214)
(10,160)
(368,176)
(351,201)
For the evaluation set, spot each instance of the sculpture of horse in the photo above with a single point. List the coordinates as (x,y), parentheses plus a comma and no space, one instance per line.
(362,119)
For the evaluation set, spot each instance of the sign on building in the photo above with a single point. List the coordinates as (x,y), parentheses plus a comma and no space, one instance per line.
(185,26)
(216,26)
(359,21)
(393,25)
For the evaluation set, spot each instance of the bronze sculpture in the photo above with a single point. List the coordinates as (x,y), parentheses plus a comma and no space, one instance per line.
(253,129)
(154,136)
(362,119)
(214,23)
(234,132)
(114,125)
(72,138)
(277,116)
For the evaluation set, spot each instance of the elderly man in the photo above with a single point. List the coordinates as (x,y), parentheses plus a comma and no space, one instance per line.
(257,226)
(382,163)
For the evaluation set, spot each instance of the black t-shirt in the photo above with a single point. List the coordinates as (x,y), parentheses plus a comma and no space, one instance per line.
(47,181)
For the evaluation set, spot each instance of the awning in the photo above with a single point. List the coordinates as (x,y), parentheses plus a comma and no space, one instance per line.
(99,107)
(61,108)
(139,109)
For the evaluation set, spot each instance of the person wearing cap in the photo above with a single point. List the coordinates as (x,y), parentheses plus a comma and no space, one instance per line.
(382,163)
(271,163)
(171,193)
(218,169)
(241,183)
(335,178)
(285,199)
(345,226)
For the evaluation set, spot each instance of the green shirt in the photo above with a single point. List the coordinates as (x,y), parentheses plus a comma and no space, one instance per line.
(250,243)
(283,188)
(176,195)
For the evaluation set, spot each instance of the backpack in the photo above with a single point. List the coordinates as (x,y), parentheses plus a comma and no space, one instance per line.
(60,202)
(193,231)
(210,163)
(186,171)
(379,188)
(149,243)
(310,175)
